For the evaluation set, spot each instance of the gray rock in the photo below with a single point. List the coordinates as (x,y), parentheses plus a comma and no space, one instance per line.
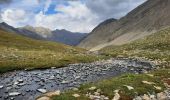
(14,94)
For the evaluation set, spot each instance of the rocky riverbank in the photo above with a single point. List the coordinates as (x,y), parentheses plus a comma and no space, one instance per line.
(27,85)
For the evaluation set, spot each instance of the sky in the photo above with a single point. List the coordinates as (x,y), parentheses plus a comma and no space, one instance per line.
(73,15)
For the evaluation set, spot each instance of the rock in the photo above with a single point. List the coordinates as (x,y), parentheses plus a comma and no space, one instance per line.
(92,88)
(149,83)
(42,90)
(14,94)
(161,96)
(137,98)
(145,97)
(116,97)
(21,84)
(98,90)
(96,94)
(75,89)
(20,81)
(158,87)
(1,86)
(116,91)
(106,98)
(65,82)
(76,95)
(129,87)
(43,98)
(151,75)
(53,93)
(16,83)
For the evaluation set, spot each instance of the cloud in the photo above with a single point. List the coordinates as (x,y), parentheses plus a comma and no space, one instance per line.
(73,15)
(15,17)
(5,1)
(112,8)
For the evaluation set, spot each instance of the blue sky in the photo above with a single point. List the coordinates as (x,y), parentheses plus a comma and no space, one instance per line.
(73,15)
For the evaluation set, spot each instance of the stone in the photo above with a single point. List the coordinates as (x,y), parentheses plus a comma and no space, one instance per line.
(42,90)
(76,95)
(1,86)
(96,93)
(116,91)
(43,98)
(145,97)
(16,83)
(20,81)
(14,94)
(137,98)
(75,89)
(149,83)
(92,88)
(53,93)
(65,82)
(161,96)
(106,98)
(158,87)
(151,75)
(129,87)
(116,97)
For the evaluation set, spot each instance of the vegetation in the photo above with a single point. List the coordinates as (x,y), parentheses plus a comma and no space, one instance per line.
(110,85)
(17,52)
(153,47)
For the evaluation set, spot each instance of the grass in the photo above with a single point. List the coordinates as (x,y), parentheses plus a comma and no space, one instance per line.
(17,52)
(108,86)
(154,47)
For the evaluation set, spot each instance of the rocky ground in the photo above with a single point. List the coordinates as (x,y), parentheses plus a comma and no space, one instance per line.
(27,85)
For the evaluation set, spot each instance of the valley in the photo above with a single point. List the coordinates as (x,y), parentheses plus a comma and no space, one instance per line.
(65,55)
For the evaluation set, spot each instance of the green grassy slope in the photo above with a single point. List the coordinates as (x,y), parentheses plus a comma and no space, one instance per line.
(18,52)
(154,47)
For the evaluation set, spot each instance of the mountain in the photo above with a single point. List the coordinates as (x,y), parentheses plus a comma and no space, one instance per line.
(27,33)
(62,36)
(67,37)
(144,20)
(41,33)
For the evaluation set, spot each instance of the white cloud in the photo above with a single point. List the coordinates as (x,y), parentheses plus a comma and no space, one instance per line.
(14,16)
(47,5)
(75,17)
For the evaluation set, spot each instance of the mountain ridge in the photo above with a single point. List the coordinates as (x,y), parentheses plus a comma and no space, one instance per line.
(41,33)
(140,22)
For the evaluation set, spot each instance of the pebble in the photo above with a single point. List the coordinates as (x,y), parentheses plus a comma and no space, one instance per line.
(92,88)
(116,97)
(42,90)
(76,95)
(14,94)
(129,87)
(1,86)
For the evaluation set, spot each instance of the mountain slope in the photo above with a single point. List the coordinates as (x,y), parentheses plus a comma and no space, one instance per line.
(18,52)
(67,37)
(62,36)
(154,47)
(149,17)
(27,33)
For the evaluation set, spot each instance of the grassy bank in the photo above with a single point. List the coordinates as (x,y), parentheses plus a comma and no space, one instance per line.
(17,52)
(108,86)
(154,47)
